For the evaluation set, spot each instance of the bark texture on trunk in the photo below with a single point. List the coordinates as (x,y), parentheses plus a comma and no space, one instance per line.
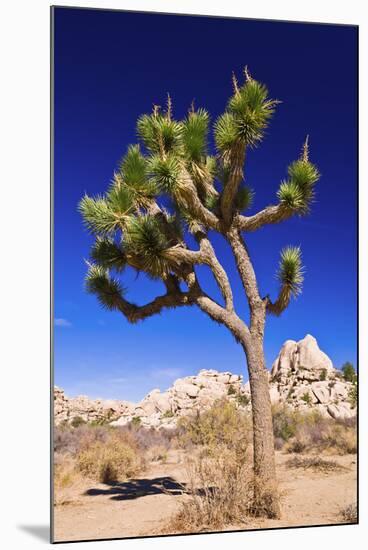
(265,482)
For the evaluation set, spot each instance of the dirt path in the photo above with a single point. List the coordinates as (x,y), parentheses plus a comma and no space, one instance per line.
(143,506)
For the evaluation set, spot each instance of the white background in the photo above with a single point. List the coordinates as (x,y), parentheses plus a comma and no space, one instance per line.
(24,272)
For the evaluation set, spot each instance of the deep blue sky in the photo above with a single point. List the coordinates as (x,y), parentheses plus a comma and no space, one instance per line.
(112,66)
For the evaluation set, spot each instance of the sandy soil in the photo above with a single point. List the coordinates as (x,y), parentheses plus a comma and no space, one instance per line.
(142,506)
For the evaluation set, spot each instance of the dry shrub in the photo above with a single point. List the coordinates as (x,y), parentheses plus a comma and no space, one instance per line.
(66,479)
(310,432)
(342,438)
(328,436)
(221,425)
(220,492)
(349,514)
(316,464)
(220,476)
(110,461)
(157,453)
(70,440)
(148,438)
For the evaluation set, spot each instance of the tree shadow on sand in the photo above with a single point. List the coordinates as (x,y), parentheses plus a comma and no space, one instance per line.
(136,488)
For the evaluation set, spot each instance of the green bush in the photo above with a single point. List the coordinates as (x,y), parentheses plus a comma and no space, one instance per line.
(243,400)
(222,424)
(348,372)
(353,396)
(231,390)
(306,398)
(77,421)
(323,375)
(136,421)
(167,414)
(284,423)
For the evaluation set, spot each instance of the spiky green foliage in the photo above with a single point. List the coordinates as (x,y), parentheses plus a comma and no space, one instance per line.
(297,193)
(171,168)
(211,202)
(108,290)
(120,200)
(211,166)
(290,273)
(303,173)
(133,167)
(225,133)
(244,198)
(165,172)
(108,254)
(145,238)
(97,215)
(291,195)
(133,176)
(194,135)
(159,133)
(248,113)
(252,111)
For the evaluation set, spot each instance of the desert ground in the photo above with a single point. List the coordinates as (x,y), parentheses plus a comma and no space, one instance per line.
(181,461)
(142,506)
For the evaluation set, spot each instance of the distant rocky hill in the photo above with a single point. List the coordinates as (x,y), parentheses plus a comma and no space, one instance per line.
(302,376)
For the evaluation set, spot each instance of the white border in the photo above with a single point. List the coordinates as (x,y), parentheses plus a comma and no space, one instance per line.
(24,104)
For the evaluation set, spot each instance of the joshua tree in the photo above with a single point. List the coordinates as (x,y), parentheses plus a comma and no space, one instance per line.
(172,186)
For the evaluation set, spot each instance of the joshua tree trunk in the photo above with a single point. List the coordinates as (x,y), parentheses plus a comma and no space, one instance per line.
(265,485)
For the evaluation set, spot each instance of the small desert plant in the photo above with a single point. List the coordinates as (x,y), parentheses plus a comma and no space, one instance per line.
(100,422)
(157,453)
(110,461)
(66,478)
(323,375)
(306,398)
(77,421)
(68,440)
(353,396)
(222,424)
(136,421)
(341,439)
(167,414)
(302,432)
(349,514)
(284,423)
(316,464)
(348,372)
(242,399)
(290,393)
(314,433)
(231,390)
(221,492)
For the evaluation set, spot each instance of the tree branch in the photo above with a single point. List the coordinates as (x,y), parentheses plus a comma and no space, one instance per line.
(188,196)
(232,184)
(269,215)
(244,266)
(218,271)
(135,313)
(180,255)
(216,312)
(282,302)
(245,269)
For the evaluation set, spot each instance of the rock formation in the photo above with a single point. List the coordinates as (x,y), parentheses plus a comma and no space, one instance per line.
(67,409)
(302,377)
